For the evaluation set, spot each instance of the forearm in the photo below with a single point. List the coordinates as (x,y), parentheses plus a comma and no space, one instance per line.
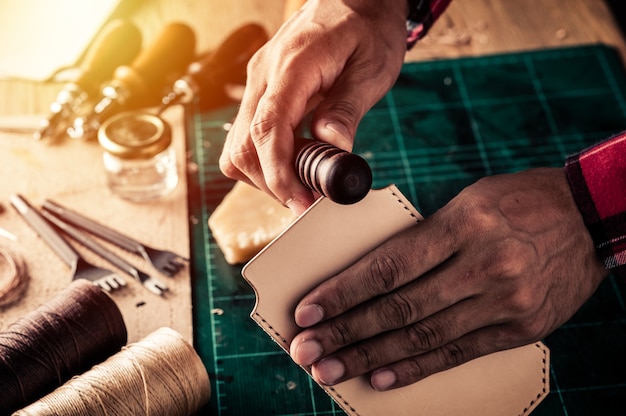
(597,178)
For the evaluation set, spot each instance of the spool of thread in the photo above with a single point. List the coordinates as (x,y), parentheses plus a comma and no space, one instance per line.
(13,275)
(79,327)
(341,176)
(159,375)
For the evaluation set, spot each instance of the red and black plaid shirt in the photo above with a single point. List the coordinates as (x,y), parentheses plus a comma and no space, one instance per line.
(422,15)
(597,177)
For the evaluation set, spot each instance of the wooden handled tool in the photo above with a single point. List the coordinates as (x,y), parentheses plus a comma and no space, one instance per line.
(117,44)
(205,78)
(141,83)
(341,176)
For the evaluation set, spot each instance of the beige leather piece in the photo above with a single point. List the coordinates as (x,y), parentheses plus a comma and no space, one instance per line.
(328,238)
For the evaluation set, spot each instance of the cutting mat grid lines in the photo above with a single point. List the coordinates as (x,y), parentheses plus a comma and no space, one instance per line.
(444,125)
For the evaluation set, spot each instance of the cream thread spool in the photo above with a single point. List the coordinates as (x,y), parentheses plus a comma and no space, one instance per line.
(159,375)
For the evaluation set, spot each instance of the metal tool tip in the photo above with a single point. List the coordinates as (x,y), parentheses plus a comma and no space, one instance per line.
(7,234)
(154,287)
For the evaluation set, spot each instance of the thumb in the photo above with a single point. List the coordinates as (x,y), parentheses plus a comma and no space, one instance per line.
(369,67)
(338,115)
(335,121)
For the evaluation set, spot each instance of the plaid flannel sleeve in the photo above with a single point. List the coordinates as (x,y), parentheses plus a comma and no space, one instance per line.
(422,15)
(597,178)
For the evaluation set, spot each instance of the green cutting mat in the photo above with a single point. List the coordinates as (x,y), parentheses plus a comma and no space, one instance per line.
(443,126)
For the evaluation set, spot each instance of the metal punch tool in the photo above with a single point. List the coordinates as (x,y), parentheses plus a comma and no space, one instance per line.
(166,262)
(149,282)
(81,269)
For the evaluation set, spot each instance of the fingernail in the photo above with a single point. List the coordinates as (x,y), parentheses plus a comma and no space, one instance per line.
(334,132)
(338,129)
(383,379)
(296,206)
(309,315)
(330,370)
(307,352)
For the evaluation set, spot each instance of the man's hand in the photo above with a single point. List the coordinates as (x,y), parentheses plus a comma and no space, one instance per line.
(503,264)
(336,57)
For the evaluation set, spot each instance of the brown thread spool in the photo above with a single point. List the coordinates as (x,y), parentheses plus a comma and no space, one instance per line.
(161,375)
(71,332)
(341,176)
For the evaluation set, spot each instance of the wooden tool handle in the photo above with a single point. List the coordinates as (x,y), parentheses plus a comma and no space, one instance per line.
(341,176)
(154,67)
(292,6)
(118,44)
(227,64)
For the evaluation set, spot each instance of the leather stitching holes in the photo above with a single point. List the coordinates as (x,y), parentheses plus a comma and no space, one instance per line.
(407,209)
(270,329)
(544,380)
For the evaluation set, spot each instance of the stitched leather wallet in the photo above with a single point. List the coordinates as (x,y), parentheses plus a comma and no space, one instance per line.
(329,237)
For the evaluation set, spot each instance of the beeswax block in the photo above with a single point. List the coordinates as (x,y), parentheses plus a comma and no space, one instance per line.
(245,221)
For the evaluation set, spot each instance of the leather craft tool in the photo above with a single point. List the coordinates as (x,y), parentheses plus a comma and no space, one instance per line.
(117,45)
(146,280)
(7,234)
(81,269)
(341,176)
(141,83)
(205,79)
(164,261)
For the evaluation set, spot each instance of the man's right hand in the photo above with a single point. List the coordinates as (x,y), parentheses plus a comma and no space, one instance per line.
(334,57)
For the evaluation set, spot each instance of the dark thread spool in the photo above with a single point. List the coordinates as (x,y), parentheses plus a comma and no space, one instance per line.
(79,327)
(341,176)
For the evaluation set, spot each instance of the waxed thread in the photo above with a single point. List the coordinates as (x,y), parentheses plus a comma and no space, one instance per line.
(159,375)
(13,275)
(76,329)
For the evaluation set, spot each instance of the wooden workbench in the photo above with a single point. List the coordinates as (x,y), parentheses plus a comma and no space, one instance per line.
(70,172)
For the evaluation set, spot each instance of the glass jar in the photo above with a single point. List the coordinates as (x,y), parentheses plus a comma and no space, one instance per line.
(139,159)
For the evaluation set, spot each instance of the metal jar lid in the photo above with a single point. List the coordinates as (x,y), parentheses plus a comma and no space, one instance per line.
(135,135)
